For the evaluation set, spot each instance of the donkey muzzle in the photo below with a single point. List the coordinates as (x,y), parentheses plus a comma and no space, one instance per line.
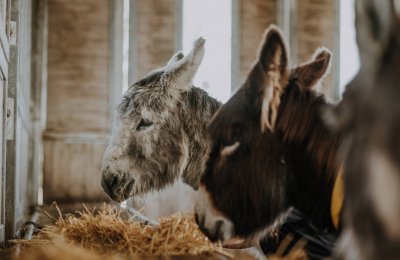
(117,186)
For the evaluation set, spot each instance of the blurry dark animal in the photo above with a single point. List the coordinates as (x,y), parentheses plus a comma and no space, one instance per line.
(270,149)
(369,118)
(159,134)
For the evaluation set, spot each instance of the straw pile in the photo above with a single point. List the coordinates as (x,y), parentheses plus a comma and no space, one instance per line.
(109,233)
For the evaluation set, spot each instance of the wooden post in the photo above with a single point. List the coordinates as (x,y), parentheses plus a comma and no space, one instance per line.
(116,57)
(38,97)
(17,168)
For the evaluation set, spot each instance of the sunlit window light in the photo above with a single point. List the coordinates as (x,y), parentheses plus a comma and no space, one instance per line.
(211,20)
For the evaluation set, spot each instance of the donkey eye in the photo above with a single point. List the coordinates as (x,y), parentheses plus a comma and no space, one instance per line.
(143,124)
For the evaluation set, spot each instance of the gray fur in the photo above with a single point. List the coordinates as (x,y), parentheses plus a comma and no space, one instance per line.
(159,134)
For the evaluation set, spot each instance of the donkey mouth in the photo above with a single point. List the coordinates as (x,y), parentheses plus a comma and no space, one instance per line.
(127,191)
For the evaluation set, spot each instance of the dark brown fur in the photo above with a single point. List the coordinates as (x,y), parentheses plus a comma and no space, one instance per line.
(293,164)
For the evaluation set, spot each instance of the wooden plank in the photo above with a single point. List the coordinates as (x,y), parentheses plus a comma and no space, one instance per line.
(38,79)
(78,65)
(256,16)
(157,47)
(69,137)
(72,171)
(315,28)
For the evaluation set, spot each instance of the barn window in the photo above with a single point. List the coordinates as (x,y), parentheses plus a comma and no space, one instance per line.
(212,20)
(349,59)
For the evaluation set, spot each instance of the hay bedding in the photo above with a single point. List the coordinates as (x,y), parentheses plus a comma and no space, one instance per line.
(110,233)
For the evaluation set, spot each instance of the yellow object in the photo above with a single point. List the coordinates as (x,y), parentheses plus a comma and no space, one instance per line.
(337,198)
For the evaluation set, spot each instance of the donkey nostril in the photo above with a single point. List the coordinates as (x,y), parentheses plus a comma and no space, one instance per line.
(196,217)
(218,231)
(114,182)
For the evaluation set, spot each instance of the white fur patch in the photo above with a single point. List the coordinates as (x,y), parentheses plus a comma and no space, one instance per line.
(384,182)
(271,101)
(209,217)
(228,150)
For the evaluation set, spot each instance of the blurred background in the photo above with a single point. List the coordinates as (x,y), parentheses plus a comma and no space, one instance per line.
(65,64)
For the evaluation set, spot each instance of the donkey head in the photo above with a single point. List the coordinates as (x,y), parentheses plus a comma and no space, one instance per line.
(245,187)
(147,148)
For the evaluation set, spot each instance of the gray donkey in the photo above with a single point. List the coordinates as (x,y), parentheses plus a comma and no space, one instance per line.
(159,134)
(369,117)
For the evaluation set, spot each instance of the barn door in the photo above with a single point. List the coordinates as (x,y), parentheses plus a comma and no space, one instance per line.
(18,104)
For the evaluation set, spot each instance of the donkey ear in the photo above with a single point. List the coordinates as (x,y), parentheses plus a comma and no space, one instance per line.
(311,73)
(181,73)
(374,20)
(270,75)
(175,58)
(273,55)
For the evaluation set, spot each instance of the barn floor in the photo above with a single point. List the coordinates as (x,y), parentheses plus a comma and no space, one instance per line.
(44,219)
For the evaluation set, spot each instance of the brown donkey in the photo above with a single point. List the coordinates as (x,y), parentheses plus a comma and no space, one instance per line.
(270,150)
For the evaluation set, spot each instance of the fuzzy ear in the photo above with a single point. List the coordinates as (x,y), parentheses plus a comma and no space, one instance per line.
(175,58)
(374,21)
(269,75)
(311,73)
(181,73)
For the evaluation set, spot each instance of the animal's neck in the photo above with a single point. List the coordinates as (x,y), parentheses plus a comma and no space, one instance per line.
(312,151)
(196,111)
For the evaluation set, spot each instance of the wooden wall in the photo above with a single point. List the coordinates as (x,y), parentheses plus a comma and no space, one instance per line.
(77,99)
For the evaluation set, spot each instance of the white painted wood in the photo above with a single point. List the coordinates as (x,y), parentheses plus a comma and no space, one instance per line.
(235,48)
(116,57)
(336,54)
(283,17)
(178,25)
(133,43)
